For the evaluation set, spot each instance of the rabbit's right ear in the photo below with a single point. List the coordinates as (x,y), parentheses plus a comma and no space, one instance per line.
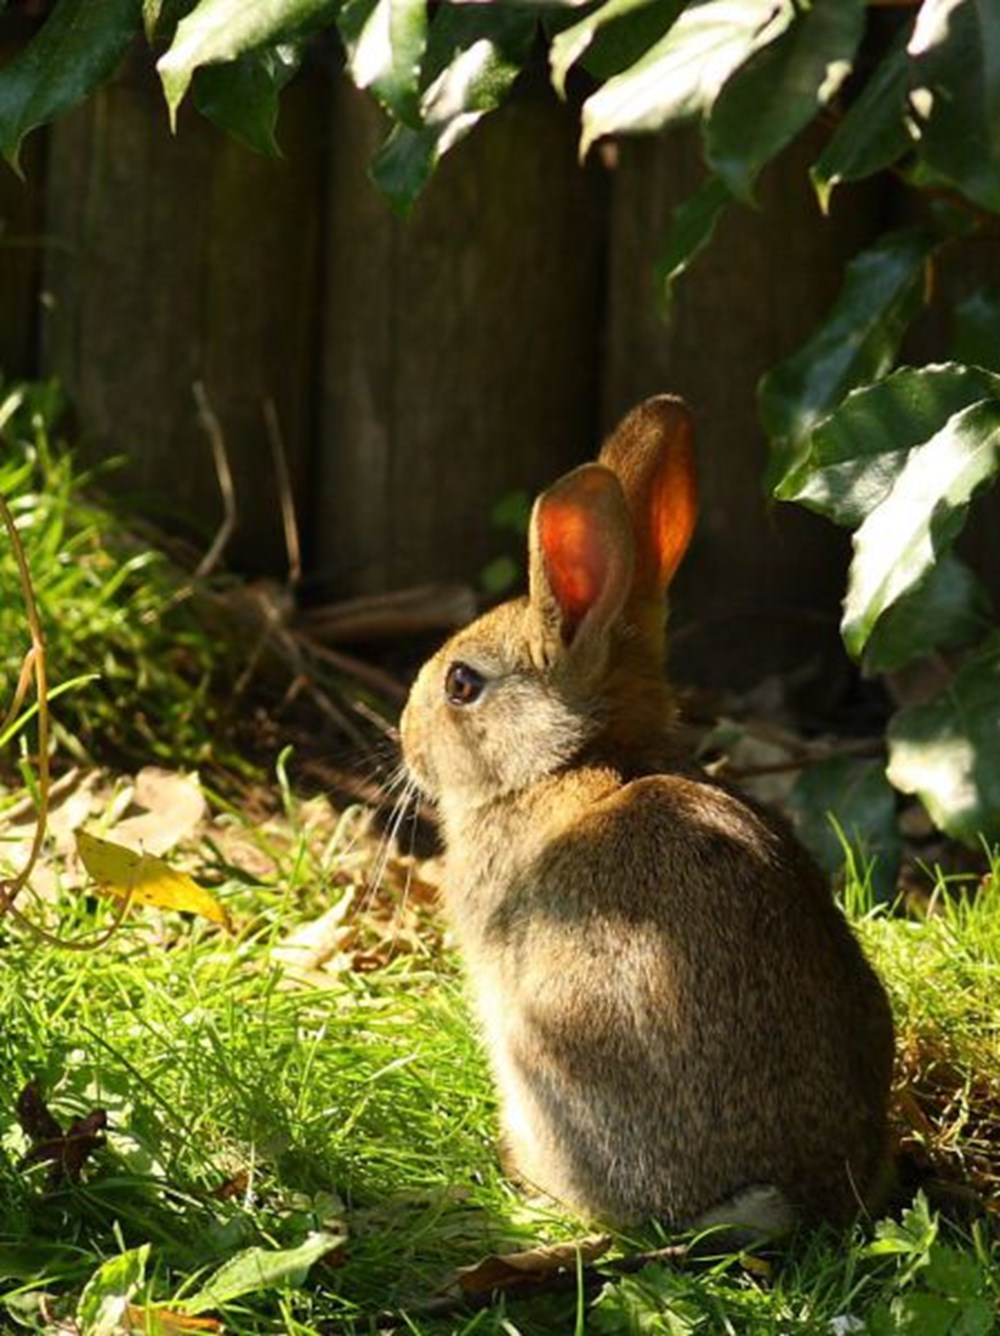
(651,452)
(581,550)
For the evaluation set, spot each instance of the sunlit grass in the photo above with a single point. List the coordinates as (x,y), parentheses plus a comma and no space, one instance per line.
(366,1103)
(108,603)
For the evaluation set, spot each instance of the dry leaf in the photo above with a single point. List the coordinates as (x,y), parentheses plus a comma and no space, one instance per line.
(310,944)
(529,1268)
(67,1152)
(122,872)
(166,1322)
(174,807)
(234,1186)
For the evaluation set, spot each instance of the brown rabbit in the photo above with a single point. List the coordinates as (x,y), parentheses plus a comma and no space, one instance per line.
(679,1021)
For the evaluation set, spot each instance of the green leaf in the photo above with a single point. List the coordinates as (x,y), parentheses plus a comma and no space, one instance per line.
(845,794)
(610,38)
(899,542)
(474,53)
(876,130)
(161,17)
(681,75)
(104,1302)
(77,48)
(692,228)
(243,96)
(976,335)
(257,1269)
(947,750)
(957,51)
(779,90)
(882,291)
(385,41)
(948,608)
(911,1237)
(856,454)
(217,31)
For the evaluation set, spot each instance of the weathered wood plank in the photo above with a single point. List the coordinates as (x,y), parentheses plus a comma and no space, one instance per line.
(462,348)
(187,259)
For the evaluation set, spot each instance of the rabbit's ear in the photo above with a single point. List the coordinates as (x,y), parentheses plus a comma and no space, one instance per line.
(651,453)
(581,554)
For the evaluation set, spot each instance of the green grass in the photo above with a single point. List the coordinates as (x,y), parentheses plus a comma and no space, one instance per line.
(140,662)
(363,1106)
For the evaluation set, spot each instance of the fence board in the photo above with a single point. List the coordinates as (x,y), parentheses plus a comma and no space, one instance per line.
(462,349)
(181,260)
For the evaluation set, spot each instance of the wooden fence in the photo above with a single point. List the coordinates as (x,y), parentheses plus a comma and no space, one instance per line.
(422,370)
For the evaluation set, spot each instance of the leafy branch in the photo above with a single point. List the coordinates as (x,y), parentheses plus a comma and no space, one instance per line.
(896,454)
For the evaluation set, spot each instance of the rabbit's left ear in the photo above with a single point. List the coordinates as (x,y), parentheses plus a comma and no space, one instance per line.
(581,554)
(651,452)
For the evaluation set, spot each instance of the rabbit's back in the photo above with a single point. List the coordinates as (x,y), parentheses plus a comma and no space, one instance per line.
(674,1005)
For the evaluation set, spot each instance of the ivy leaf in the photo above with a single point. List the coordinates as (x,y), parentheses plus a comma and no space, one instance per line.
(947,750)
(610,38)
(876,130)
(899,542)
(976,336)
(855,456)
(947,609)
(216,31)
(681,75)
(957,52)
(474,53)
(385,41)
(853,796)
(160,17)
(779,90)
(77,47)
(691,230)
(882,291)
(242,97)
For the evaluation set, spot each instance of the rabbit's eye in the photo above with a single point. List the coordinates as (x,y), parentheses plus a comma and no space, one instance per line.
(463,685)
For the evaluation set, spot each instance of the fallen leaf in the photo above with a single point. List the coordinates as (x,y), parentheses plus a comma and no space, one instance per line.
(531,1267)
(33,1114)
(174,807)
(122,872)
(234,1186)
(67,1152)
(165,1322)
(310,944)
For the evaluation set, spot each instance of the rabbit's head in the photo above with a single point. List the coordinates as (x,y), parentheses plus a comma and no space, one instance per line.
(576,667)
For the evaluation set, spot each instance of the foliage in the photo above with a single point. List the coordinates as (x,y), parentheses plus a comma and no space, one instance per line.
(107,600)
(897,454)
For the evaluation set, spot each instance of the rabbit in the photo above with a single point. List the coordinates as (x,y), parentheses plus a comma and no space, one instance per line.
(680,1023)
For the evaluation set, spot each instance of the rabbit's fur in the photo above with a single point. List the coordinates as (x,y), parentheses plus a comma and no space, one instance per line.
(680,1023)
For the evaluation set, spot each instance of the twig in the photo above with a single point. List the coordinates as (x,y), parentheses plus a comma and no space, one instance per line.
(859,749)
(377,678)
(11,887)
(590,1276)
(286,498)
(210,425)
(34,664)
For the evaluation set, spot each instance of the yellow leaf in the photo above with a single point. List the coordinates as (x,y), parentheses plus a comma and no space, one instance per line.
(150,881)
